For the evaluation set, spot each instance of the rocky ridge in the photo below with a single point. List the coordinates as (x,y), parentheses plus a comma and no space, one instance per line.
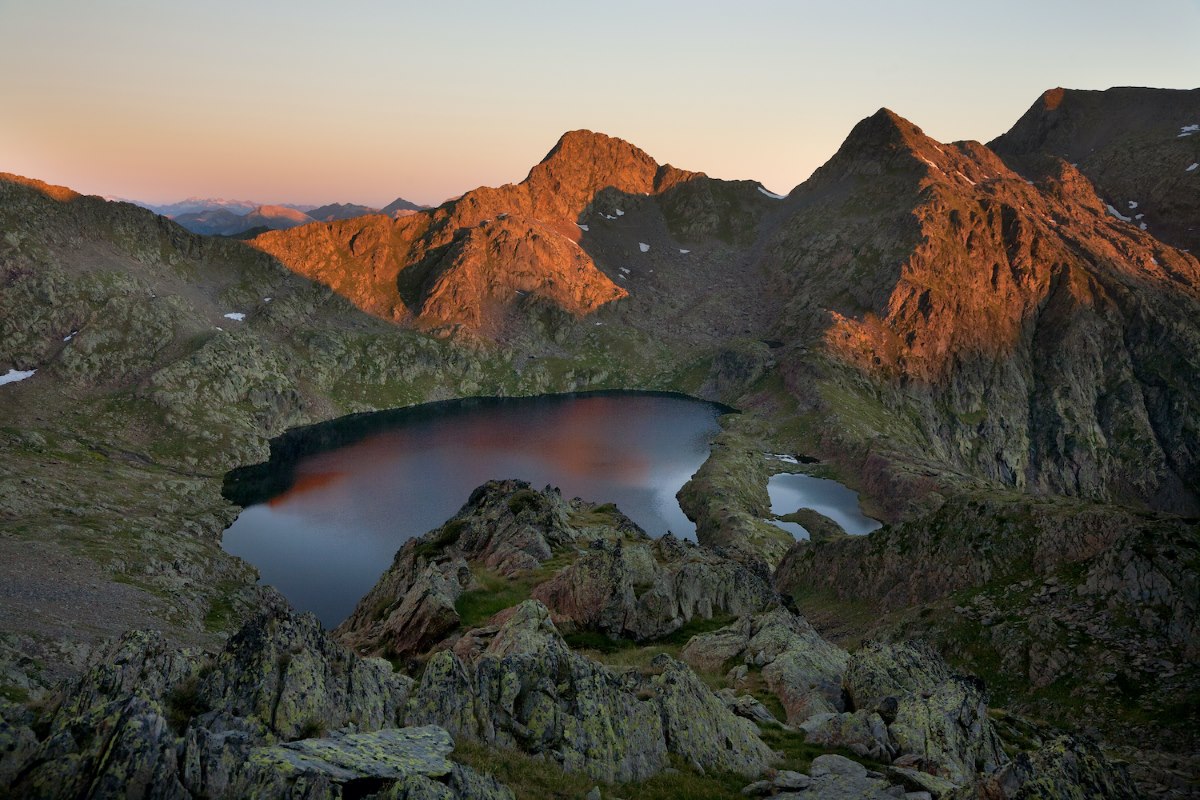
(468,261)
(1135,144)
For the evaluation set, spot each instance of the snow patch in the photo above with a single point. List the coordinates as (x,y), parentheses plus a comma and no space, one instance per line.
(583,227)
(1117,214)
(1138,216)
(964,177)
(625,270)
(14,375)
(782,457)
(268,299)
(1188,130)
(1142,225)
(620,213)
(1192,168)
(236,316)
(70,336)
(771,194)
(1133,204)
(684,252)
(645,248)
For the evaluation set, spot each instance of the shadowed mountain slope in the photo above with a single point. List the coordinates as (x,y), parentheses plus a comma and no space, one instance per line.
(1137,145)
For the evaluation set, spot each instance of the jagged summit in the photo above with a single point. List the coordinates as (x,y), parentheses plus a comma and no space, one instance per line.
(875,145)
(466,263)
(1137,145)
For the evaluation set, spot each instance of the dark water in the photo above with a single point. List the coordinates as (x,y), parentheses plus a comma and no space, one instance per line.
(790,492)
(325,516)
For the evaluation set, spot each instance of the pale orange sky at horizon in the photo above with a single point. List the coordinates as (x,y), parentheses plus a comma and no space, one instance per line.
(302,103)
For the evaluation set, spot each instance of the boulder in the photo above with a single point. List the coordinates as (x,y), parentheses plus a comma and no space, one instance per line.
(645,589)
(698,726)
(938,716)
(1064,768)
(528,691)
(505,526)
(800,667)
(748,707)
(863,732)
(407,762)
(284,669)
(123,748)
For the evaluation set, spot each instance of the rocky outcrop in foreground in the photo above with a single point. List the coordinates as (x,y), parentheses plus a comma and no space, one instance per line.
(528,691)
(588,563)
(252,721)
(285,710)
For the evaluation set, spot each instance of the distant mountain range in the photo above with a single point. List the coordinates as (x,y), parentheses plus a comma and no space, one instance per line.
(214,216)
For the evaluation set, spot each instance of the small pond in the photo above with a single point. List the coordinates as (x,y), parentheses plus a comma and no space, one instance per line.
(792,491)
(326,514)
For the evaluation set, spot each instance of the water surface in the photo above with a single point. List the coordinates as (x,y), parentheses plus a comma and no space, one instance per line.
(328,512)
(790,492)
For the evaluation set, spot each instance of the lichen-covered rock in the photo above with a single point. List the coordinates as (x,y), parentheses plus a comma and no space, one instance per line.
(800,667)
(937,715)
(382,756)
(124,748)
(698,726)
(425,614)
(505,526)
(139,663)
(747,706)
(863,732)
(17,742)
(285,670)
(1064,768)
(530,692)
(836,777)
(645,589)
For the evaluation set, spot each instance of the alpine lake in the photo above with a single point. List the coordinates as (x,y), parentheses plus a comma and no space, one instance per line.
(325,515)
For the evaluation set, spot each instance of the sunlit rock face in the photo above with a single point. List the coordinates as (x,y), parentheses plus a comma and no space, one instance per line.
(466,263)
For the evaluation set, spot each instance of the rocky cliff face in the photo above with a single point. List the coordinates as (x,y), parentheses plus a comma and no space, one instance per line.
(1019,332)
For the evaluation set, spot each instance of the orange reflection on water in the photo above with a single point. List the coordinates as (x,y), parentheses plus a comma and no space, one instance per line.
(305,483)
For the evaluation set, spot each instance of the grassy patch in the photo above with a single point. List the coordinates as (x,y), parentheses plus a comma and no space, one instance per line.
(798,753)
(495,594)
(541,779)
(694,627)
(183,703)
(447,535)
(596,642)
(600,516)
(14,694)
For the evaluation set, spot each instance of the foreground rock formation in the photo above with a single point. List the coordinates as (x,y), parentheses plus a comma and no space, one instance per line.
(284,710)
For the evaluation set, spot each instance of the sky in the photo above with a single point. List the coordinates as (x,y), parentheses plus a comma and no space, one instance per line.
(361,102)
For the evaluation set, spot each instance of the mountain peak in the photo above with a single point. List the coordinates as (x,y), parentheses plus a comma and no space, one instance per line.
(873,143)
